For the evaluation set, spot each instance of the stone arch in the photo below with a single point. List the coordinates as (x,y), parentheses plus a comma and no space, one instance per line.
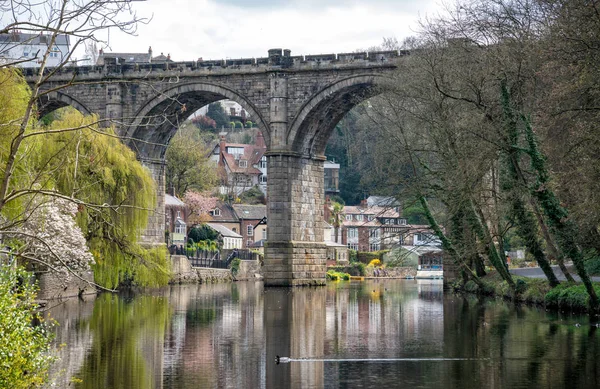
(316,119)
(56,100)
(157,120)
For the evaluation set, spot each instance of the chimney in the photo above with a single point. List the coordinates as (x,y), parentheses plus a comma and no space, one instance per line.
(327,209)
(172,191)
(260,141)
(222,143)
(363,203)
(150,54)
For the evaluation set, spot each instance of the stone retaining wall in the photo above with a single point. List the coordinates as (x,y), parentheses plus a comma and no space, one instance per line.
(395,272)
(184,273)
(249,270)
(58,285)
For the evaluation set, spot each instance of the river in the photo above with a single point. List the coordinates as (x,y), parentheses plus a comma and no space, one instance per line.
(372,334)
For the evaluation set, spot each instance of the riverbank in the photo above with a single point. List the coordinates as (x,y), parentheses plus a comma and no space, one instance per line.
(535,291)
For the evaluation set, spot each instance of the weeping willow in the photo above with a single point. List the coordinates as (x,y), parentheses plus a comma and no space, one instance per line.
(117,193)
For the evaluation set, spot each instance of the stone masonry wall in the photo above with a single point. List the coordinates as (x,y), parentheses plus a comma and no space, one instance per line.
(295,253)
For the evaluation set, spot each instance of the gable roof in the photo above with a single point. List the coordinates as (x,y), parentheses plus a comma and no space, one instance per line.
(226,232)
(173,201)
(227,214)
(253,212)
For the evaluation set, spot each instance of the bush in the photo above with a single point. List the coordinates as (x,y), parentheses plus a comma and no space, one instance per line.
(352,255)
(567,296)
(354,269)
(235,266)
(374,263)
(333,275)
(368,256)
(24,347)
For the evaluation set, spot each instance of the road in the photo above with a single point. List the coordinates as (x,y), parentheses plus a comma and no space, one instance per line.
(536,272)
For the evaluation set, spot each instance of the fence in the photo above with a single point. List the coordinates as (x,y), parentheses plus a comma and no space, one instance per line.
(214,259)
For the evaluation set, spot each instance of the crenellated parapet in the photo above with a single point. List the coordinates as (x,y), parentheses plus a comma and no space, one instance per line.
(278,59)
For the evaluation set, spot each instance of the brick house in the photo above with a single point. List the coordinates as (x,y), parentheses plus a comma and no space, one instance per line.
(243,219)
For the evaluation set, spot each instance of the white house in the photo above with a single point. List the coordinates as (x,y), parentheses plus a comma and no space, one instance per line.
(231,240)
(27,50)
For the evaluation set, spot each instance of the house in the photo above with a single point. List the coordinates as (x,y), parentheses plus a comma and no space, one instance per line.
(249,221)
(252,222)
(27,50)
(131,58)
(231,240)
(175,220)
(372,228)
(241,166)
(244,166)
(336,252)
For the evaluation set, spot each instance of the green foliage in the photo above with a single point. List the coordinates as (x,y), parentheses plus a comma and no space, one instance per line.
(188,165)
(24,348)
(414,214)
(247,139)
(367,256)
(354,269)
(217,113)
(249,124)
(125,328)
(235,266)
(333,275)
(352,255)
(572,297)
(99,169)
(253,196)
(202,232)
(239,124)
(592,265)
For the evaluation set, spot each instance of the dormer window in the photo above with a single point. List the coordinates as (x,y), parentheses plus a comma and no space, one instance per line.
(348,217)
(243,163)
(216,212)
(359,218)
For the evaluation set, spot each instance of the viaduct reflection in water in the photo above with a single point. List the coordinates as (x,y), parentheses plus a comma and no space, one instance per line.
(227,336)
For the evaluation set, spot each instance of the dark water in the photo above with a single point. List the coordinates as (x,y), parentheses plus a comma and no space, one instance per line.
(389,334)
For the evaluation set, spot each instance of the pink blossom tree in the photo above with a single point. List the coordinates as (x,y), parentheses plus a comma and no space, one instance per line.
(199,204)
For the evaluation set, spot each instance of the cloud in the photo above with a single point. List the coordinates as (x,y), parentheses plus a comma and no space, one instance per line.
(239,28)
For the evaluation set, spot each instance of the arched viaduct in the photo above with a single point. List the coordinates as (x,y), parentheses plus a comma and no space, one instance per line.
(296,102)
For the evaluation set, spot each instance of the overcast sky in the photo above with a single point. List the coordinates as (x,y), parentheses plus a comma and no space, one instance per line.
(216,29)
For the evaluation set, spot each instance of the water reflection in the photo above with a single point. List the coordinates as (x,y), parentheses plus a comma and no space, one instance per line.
(227,336)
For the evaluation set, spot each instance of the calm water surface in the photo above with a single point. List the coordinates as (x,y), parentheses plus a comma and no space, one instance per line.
(386,334)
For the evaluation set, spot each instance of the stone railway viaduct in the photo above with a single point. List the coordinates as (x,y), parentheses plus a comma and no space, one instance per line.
(295,100)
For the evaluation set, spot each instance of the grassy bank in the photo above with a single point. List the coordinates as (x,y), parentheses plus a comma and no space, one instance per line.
(565,297)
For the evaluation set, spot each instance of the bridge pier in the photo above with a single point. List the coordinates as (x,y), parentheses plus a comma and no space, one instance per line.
(155,230)
(295,253)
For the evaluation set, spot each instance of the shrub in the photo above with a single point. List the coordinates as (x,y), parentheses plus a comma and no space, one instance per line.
(24,348)
(374,263)
(235,266)
(333,275)
(592,265)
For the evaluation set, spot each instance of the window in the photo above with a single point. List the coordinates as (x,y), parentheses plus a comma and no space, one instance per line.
(264,234)
(234,230)
(249,243)
(370,218)
(263,163)
(349,217)
(374,247)
(243,163)
(359,218)
(178,213)
(374,233)
(180,229)
(249,230)
(402,222)
(262,179)
(352,233)
(353,246)
(216,212)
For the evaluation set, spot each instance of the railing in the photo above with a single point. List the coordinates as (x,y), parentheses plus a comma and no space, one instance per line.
(213,259)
